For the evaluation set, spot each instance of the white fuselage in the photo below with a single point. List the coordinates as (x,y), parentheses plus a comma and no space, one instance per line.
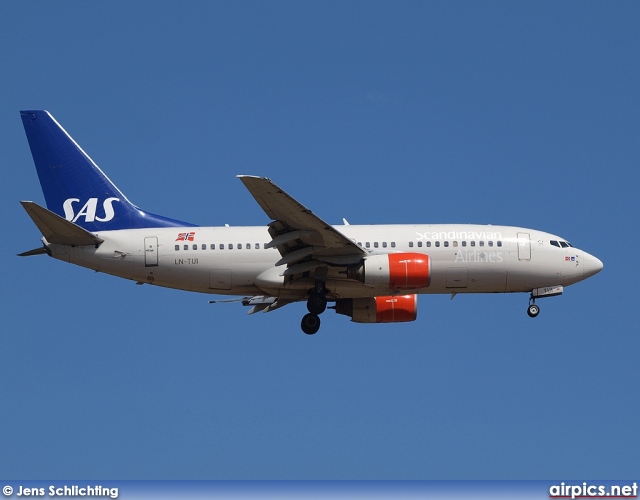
(234,260)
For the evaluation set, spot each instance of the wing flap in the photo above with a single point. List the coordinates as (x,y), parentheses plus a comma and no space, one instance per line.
(58,230)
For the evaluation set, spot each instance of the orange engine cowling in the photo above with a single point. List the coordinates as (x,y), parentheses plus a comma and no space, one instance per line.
(397,271)
(391,309)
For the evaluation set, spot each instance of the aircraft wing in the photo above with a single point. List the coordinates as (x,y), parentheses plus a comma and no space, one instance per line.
(303,239)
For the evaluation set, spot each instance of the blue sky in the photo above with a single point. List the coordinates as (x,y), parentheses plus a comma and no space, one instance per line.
(516,113)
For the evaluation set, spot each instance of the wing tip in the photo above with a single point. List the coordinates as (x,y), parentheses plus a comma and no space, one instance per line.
(255,177)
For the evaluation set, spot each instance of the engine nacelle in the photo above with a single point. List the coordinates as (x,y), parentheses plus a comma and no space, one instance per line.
(391,309)
(397,271)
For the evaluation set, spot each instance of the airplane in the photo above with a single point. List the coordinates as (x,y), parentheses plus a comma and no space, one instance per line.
(371,273)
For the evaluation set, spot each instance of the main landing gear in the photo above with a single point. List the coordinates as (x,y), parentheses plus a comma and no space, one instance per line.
(310,323)
(533,310)
(316,304)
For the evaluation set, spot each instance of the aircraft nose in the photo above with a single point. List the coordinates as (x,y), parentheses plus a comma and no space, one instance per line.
(591,265)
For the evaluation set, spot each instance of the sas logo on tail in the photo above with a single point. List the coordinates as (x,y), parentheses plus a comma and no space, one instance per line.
(89,210)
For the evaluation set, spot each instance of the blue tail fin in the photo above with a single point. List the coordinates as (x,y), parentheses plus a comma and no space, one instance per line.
(73,185)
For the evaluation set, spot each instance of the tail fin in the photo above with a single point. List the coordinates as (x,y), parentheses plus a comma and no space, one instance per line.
(73,185)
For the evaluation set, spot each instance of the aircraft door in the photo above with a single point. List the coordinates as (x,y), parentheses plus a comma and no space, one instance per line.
(150,251)
(524,246)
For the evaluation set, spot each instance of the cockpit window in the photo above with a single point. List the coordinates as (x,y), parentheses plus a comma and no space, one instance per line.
(561,244)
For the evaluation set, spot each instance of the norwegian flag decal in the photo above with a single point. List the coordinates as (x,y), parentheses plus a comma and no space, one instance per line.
(186,236)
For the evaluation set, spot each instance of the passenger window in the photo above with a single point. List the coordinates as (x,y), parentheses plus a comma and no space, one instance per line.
(230,246)
(221,246)
(177,247)
(367,244)
(482,243)
(464,243)
(393,244)
(248,246)
(384,244)
(213,246)
(491,243)
(473,243)
(375,244)
(446,243)
(239,246)
(420,244)
(186,247)
(411,244)
(437,243)
(455,243)
(204,246)
(428,243)
(195,247)
(499,243)
(257,246)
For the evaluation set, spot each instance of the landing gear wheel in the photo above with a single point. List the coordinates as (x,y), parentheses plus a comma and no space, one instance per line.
(317,303)
(533,310)
(310,323)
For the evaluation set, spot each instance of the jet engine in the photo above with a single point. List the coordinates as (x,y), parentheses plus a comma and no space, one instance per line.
(397,271)
(391,309)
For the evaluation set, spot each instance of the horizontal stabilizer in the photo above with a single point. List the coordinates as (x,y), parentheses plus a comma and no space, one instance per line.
(58,230)
(35,251)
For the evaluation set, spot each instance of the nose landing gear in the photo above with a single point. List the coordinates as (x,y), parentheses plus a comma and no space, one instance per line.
(533,310)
